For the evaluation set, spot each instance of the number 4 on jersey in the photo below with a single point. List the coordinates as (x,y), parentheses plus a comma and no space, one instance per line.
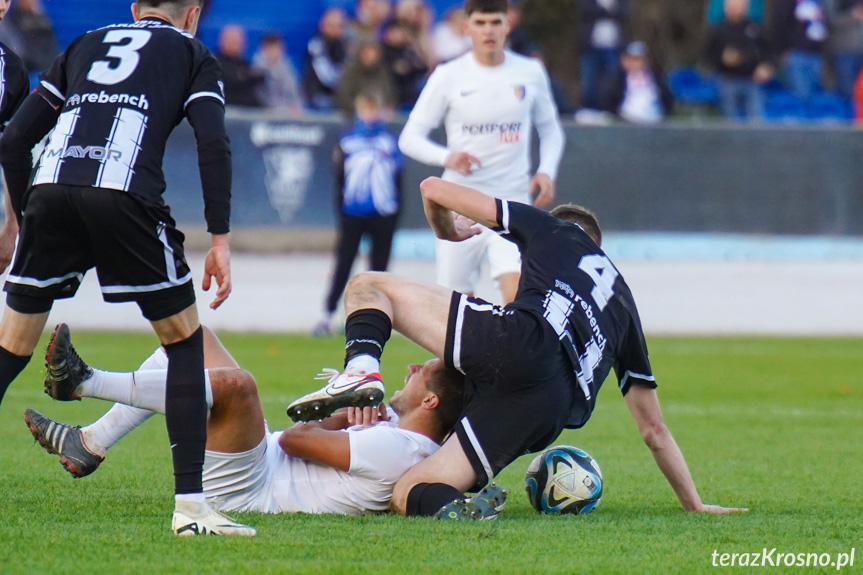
(603,273)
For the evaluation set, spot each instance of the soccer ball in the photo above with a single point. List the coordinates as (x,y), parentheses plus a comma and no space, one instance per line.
(563,479)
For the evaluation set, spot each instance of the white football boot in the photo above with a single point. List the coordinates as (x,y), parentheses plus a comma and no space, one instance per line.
(201,519)
(343,390)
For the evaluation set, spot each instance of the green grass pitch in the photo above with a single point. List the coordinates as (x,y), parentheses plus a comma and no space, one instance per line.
(772,424)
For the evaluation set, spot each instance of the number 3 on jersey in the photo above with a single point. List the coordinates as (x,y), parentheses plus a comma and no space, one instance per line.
(603,273)
(102,71)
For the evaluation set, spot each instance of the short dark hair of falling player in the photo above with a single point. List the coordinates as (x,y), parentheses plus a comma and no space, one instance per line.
(576,214)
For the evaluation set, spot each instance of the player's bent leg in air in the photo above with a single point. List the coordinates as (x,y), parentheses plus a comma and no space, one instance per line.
(85,448)
(376,303)
(236,422)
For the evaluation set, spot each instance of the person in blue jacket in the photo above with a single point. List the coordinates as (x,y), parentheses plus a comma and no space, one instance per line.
(368,167)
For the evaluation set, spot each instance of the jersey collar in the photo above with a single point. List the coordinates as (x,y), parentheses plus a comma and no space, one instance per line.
(157,19)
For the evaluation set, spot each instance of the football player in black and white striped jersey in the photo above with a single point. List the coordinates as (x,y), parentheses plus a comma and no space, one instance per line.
(532,368)
(110,101)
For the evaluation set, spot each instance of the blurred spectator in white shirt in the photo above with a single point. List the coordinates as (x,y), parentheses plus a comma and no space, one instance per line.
(280,90)
(639,93)
(448,38)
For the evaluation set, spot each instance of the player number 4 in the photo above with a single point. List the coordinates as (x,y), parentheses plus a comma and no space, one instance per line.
(110,73)
(603,273)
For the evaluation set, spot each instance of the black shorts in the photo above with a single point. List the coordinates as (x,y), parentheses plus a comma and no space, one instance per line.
(520,388)
(135,248)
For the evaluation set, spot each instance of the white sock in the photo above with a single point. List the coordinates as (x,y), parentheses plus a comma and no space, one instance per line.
(103,433)
(193,505)
(157,360)
(143,388)
(363,363)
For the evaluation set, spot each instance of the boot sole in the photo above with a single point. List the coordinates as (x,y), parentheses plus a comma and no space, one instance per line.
(321,408)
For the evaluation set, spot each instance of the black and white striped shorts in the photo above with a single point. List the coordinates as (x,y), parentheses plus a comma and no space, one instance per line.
(520,389)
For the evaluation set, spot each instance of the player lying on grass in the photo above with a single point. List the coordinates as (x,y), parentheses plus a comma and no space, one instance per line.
(346,463)
(532,368)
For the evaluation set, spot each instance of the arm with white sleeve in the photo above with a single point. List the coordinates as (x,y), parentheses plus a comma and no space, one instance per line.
(551,142)
(428,113)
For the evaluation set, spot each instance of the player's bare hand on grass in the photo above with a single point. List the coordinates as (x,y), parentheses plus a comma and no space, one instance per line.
(461,162)
(217,265)
(543,186)
(367,416)
(719,510)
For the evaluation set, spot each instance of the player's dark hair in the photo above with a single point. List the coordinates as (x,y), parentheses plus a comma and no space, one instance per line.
(576,214)
(485,6)
(447,384)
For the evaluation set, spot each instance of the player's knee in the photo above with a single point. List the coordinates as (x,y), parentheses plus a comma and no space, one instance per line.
(364,284)
(362,281)
(233,383)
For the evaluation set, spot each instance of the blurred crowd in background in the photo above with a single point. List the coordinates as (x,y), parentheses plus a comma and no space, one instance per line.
(741,60)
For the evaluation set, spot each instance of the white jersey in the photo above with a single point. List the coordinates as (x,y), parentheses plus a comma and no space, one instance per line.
(488,111)
(268,480)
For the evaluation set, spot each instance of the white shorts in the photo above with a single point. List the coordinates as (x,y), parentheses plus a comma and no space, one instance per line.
(241,481)
(458,263)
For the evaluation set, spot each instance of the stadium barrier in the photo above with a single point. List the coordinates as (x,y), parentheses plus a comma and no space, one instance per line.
(785,180)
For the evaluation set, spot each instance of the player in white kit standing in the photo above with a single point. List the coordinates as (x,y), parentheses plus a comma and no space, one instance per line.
(488,100)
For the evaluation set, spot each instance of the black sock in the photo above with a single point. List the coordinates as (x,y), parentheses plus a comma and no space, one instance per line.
(10,366)
(426,499)
(366,333)
(186,411)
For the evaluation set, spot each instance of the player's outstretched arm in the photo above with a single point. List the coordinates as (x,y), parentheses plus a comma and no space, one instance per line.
(217,265)
(441,199)
(643,404)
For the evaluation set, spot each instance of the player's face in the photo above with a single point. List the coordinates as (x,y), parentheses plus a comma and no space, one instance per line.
(488,32)
(4,7)
(412,394)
